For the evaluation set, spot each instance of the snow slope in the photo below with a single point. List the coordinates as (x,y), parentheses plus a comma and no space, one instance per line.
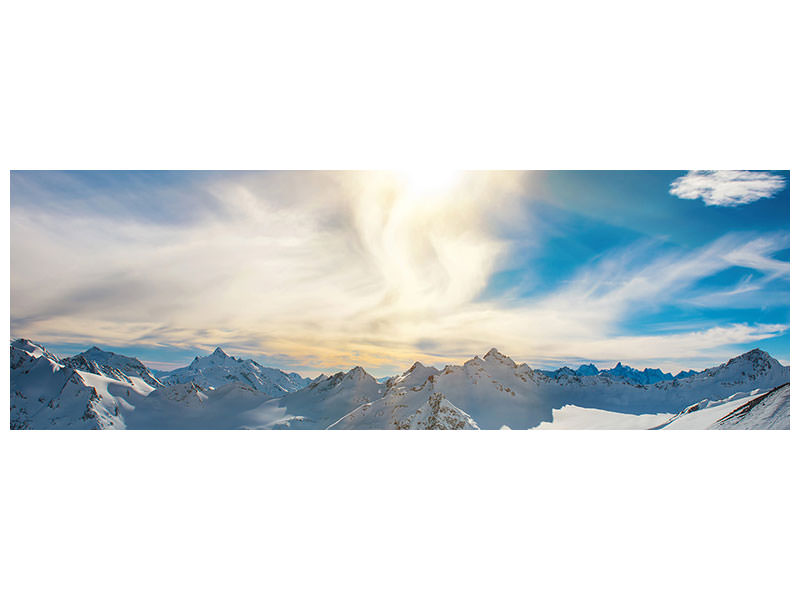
(575,417)
(742,410)
(409,403)
(768,411)
(187,406)
(46,394)
(112,365)
(219,369)
(327,399)
(758,409)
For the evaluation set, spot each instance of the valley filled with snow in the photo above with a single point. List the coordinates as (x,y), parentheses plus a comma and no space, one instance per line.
(96,389)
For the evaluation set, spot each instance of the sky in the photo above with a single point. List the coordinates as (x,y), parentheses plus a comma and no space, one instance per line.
(314,271)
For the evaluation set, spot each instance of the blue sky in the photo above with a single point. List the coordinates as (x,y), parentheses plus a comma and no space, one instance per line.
(316,271)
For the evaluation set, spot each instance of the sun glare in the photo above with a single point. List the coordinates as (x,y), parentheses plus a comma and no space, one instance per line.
(428,182)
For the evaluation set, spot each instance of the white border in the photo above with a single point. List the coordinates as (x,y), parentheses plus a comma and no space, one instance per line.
(358,85)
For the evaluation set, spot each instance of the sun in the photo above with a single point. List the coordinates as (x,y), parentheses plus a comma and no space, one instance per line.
(428,182)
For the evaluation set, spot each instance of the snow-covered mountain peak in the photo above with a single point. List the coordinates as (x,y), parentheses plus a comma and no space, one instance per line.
(494,355)
(620,372)
(644,377)
(475,362)
(116,366)
(755,356)
(685,374)
(564,372)
(320,378)
(96,353)
(354,376)
(418,369)
(358,373)
(751,364)
(756,352)
(438,413)
(24,349)
(585,370)
(219,369)
(50,393)
(217,357)
(417,375)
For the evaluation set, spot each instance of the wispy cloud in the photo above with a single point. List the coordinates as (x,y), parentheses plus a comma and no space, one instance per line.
(586,317)
(334,269)
(727,188)
(327,267)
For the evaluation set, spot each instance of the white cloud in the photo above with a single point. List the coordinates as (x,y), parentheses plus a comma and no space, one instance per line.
(727,188)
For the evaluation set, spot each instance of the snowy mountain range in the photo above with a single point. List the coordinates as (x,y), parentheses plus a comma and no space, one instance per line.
(621,373)
(219,369)
(104,390)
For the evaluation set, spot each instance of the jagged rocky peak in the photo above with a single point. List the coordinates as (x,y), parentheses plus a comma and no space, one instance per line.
(219,369)
(218,356)
(753,355)
(564,372)
(494,355)
(415,376)
(321,377)
(30,346)
(589,369)
(24,350)
(755,359)
(418,370)
(475,361)
(357,373)
(686,374)
(655,371)
(438,413)
(95,353)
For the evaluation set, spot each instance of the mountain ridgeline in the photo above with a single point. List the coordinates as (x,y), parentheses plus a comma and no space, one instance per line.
(219,369)
(104,390)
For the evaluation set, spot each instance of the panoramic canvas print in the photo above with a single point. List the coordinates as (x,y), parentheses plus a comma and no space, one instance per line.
(421,299)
